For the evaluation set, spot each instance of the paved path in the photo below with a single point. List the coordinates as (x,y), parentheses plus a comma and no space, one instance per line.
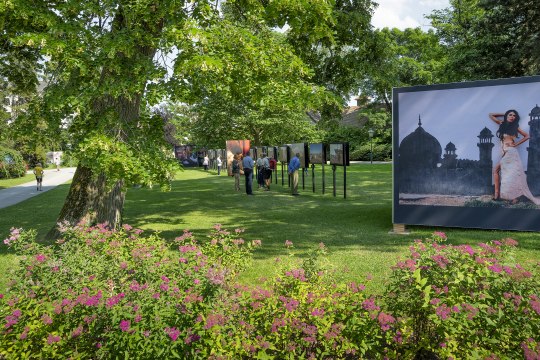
(51,179)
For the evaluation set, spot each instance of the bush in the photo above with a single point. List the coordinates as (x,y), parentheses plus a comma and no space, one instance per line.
(103,294)
(11,163)
(300,314)
(99,294)
(381,152)
(461,302)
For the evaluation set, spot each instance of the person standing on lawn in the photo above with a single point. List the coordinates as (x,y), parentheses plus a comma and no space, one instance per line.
(248,165)
(219,163)
(294,165)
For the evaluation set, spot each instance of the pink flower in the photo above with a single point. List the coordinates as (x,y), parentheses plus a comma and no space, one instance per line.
(47,320)
(369,305)
(288,244)
(40,258)
(125,325)
(173,333)
(127,227)
(256,242)
(495,268)
(385,320)
(53,339)
(535,303)
(78,331)
(510,242)
(196,281)
(440,235)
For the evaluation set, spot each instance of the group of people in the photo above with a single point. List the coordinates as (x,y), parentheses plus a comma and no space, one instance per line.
(245,165)
(206,163)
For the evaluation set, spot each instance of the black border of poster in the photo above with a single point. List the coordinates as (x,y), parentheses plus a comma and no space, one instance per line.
(457,216)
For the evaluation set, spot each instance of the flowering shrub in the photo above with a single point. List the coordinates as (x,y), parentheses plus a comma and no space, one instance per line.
(103,294)
(300,314)
(464,302)
(99,294)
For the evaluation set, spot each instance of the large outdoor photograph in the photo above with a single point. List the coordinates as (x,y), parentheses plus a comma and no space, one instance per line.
(473,145)
(236,147)
(283,154)
(317,153)
(339,154)
(185,155)
(301,150)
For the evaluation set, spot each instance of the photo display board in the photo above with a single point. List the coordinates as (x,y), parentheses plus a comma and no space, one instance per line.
(272,152)
(317,153)
(260,151)
(236,147)
(458,146)
(185,155)
(302,150)
(283,154)
(339,154)
(253,153)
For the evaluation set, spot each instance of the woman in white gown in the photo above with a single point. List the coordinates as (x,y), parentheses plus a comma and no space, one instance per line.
(508,175)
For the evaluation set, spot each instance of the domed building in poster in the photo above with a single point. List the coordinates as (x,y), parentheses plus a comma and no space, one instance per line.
(424,169)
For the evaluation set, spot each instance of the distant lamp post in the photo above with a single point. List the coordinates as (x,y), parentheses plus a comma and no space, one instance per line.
(371,132)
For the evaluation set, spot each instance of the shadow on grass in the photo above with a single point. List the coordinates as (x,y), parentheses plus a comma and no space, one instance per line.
(355,229)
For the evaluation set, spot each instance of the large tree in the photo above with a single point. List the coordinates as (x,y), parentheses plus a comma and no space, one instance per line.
(489,39)
(402,58)
(110,61)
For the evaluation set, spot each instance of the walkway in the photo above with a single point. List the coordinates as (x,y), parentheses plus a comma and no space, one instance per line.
(51,179)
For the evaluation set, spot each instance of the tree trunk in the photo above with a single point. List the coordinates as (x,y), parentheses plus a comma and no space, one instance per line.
(90,202)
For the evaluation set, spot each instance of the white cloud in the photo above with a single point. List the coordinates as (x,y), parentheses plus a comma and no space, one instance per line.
(405,13)
(389,19)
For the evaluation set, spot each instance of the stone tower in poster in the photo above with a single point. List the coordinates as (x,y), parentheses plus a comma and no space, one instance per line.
(533,159)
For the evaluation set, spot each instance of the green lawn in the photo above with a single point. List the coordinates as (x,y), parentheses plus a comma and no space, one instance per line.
(7,183)
(355,229)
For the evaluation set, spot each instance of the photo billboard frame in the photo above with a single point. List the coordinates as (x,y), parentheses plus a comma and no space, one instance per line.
(339,154)
(261,150)
(302,150)
(272,152)
(186,155)
(452,184)
(284,154)
(233,147)
(317,153)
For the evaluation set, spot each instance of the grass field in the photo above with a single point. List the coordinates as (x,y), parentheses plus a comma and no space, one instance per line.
(7,183)
(355,229)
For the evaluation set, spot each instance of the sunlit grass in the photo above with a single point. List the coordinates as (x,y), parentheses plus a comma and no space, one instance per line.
(355,229)
(7,183)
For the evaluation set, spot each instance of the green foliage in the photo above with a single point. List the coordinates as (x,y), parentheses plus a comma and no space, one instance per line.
(11,163)
(152,165)
(247,83)
(403,58)
(359,141)
(489,39)
(462,302)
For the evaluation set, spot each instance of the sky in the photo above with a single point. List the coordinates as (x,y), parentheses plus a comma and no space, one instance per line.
(458,115)
(405,13)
